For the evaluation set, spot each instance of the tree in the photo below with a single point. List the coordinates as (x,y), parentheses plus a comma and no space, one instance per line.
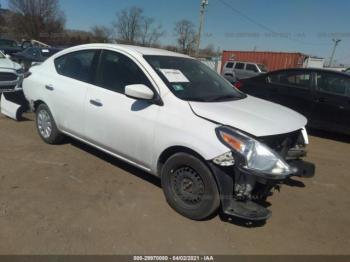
(128,24)
(186,35)
(134,28)
(37,19)
(101,34)
(149,33)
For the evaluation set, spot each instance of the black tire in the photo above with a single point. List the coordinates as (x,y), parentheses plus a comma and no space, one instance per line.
(55,136)
(189,187)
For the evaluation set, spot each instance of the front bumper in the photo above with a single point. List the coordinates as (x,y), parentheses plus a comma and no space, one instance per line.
(13,85)
(243,192)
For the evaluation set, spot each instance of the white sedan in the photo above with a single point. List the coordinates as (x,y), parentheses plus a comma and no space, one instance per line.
(168,114)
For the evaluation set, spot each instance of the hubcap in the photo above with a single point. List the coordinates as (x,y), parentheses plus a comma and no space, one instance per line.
(187,185)
(44,123)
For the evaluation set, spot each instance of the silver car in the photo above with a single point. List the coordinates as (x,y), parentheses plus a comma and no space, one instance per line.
(11,75)
(236,70)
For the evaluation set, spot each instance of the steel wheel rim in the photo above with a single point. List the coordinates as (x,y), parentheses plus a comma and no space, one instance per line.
(187,186)
(44,124)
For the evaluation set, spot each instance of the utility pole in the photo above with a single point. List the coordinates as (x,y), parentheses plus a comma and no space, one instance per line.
(336,43)
(204,4)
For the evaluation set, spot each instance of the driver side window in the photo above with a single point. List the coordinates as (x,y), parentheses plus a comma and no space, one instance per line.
(116,71)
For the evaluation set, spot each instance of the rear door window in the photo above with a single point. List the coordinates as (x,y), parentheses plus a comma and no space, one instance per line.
(239,66)
(77,65)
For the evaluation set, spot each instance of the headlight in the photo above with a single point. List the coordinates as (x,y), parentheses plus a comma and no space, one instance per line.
(20,71)
(258,157)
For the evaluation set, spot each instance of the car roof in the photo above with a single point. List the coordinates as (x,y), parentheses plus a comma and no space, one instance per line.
(129,48)
(309,70)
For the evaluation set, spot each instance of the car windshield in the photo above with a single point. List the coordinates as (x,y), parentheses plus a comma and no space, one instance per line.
(263,68)
(2,55)
(191,80)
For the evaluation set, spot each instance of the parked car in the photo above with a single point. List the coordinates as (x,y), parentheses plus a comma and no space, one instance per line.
(11,75)
(347,70)
(173,117)
(33,55)
(236,70)
(8,46)
(323,96)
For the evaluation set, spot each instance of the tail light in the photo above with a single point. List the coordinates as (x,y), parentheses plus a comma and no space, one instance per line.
(238,85)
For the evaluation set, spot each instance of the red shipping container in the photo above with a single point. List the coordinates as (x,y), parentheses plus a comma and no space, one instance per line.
(272,60)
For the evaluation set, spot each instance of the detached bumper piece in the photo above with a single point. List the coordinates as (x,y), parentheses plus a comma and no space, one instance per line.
(248,210)
(305,169)
(13,105)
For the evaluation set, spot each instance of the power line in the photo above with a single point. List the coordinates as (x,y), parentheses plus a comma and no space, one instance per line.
(266,28)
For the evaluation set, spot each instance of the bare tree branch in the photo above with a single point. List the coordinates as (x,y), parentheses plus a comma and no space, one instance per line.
(186,35)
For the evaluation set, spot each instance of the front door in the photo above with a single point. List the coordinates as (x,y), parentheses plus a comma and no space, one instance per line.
(115,122)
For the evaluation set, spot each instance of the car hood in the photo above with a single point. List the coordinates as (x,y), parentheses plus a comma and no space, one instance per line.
(252,115)
(8,64)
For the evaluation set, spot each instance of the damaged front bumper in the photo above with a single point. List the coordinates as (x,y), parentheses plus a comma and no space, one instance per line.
(243,192)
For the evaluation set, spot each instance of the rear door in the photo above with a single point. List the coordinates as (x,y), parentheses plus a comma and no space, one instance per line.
(75,73)
(333,101)
(239,70)
(293,89)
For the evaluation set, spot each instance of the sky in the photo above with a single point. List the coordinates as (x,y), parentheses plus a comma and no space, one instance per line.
(306,26)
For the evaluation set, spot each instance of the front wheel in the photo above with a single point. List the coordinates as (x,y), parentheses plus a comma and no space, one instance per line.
(46,126)
(190,187)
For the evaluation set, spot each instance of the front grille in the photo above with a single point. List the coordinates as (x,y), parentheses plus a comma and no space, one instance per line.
(282,143)
(8,77)
(7,88)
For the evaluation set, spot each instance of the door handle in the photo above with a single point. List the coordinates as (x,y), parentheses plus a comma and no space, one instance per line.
(49,87)
(321,99)
(96,103)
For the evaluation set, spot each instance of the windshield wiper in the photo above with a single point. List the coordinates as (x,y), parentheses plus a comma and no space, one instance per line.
(221,98)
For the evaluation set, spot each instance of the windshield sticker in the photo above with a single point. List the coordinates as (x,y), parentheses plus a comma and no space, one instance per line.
(45,51)
(178,88)
(174,76)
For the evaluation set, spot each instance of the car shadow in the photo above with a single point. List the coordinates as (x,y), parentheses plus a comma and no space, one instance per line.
(241,222)
(329,135)
(156,182)
(116,162)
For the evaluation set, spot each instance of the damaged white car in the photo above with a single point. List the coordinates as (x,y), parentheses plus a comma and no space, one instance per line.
(168,114)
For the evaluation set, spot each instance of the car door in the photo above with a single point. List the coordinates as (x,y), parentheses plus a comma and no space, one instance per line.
(68,86)
(293,89)
(239,70)
(115,122)
(228,72)
(333,101)
(251,70)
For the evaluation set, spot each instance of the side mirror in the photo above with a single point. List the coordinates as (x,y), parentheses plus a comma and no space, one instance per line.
(8,56)
(139,91)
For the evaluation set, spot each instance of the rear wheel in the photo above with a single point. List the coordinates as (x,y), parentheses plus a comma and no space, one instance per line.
(190,187)
(46,126)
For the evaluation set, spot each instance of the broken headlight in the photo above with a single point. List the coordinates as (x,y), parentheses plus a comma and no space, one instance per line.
(257,156)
